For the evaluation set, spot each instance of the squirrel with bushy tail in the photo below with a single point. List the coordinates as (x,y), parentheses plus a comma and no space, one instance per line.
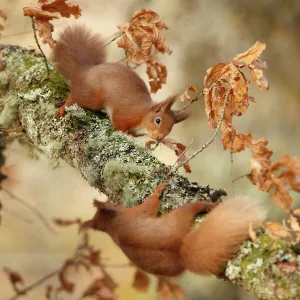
(162,245)
(79,55)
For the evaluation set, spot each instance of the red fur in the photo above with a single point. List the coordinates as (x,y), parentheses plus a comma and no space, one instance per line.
(167,245)
(79,55)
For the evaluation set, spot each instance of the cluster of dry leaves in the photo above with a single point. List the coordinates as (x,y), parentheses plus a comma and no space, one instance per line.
(48,10)
(141,38)
(226,95)
(229,79)
(102,286)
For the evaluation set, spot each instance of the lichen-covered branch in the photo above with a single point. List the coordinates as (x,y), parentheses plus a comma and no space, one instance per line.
(109,160)
(115,165)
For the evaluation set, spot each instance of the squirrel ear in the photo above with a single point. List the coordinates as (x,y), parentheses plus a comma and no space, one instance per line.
(181,116)
(104,209)
(167,104)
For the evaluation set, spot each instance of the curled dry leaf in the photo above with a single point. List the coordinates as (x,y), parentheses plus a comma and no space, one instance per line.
(251,55)
(47,11)
(49,290)
(93,288)
(3,17)
(276,230)
(140,34)
(229,77)
(139,37)
(141,281)
(157,73)
(62,7)
(66,285)
(14,277)
(179,149)
(186,95)
(149,144)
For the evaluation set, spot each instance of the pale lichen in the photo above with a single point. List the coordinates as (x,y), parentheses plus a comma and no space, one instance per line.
(255,268)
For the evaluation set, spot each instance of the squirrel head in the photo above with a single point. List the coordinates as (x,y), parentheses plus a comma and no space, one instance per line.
(106,212)
(161,118)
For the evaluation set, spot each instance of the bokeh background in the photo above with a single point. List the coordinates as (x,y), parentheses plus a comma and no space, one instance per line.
(201,33)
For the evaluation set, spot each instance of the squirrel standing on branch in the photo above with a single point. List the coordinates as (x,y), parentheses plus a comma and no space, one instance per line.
(79,55)
(166,245)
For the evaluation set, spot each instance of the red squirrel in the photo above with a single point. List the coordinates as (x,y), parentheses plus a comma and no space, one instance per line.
(166,245)
(79,55)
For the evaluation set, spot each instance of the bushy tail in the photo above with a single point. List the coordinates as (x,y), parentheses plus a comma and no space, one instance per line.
(77,48)
(206,249)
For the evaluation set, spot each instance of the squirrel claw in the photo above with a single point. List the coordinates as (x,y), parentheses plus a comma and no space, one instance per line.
(60,112)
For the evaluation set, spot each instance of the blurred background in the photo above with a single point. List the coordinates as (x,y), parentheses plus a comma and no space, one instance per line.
(201,33)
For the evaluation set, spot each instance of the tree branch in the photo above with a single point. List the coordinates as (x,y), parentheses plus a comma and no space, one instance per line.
(127,173)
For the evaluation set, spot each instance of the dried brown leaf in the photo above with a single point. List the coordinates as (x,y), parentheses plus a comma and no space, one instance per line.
(259,79)
(149,144)
(39,14)
(157,73)
(141,34)
(49,290)
(186,95)
(3,15)
(141,281)
(60,6)
(14,277)
(93,288)
(251,55)
(178,148)
(214,73)
(45,29)
(276,230)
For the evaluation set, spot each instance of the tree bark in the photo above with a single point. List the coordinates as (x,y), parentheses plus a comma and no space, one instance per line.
(126,172)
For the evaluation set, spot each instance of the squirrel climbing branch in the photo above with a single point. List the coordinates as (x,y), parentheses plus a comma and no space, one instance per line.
(114,164)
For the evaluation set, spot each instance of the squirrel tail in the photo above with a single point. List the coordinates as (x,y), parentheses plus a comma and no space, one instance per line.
(76,49)
(206,249)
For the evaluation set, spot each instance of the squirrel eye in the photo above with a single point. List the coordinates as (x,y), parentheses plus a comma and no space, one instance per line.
(158,121)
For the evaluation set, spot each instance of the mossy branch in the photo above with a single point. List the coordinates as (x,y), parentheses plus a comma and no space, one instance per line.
(127,173)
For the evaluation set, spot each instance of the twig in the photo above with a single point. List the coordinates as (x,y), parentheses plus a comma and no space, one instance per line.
(9,99)
(23,291)
(191,102)
(37,42)
(242,176)
(231,162)
(113,39)
(31,208)
(17,216)
(214,135)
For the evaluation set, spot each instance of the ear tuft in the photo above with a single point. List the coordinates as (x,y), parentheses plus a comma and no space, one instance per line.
(167,104)
(181,116)
(98,204)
